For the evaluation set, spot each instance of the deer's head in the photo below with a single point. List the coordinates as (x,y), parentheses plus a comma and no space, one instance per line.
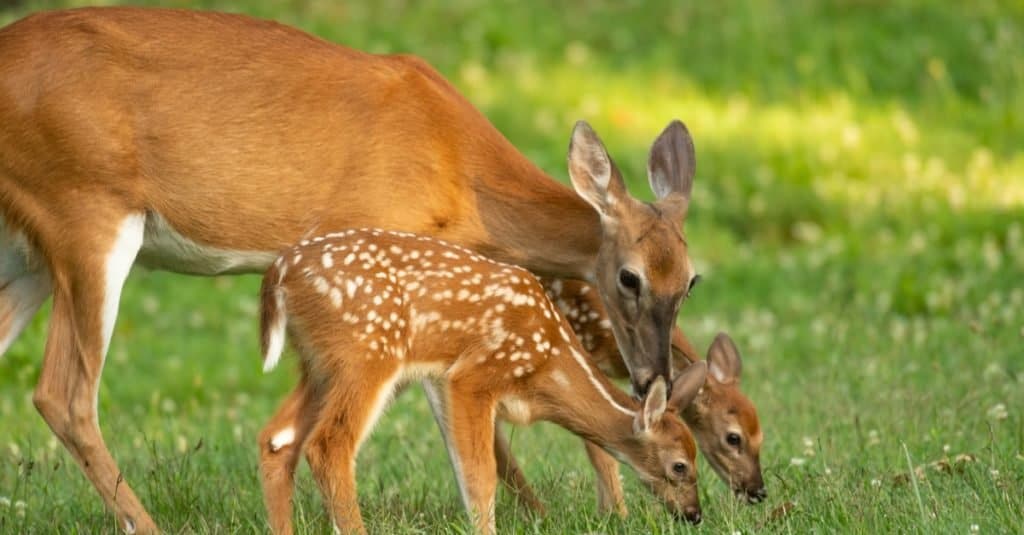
(643,271)
(663,451)
(726,424)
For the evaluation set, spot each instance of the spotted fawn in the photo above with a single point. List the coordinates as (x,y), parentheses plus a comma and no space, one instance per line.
(370,310)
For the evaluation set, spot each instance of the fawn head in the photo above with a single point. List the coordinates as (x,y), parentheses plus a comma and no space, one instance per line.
(725,423)
(664,453)
(643,271)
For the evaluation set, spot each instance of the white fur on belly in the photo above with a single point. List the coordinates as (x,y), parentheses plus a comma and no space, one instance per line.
(165,248)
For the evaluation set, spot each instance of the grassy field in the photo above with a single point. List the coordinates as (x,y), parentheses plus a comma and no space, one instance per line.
(858,219)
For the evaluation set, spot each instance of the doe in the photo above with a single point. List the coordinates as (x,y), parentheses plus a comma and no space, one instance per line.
(370,310)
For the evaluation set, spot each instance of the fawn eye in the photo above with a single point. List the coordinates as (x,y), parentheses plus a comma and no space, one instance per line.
(679,468)
(693,282)
(629,280)
(733,439)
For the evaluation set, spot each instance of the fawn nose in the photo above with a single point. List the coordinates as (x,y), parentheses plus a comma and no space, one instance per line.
(692,515)
(757,495)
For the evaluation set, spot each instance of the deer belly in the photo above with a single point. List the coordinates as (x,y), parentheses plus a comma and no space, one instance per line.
(164,248)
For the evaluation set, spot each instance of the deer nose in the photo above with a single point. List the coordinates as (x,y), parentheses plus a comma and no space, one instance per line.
(757,495)
(641,384)
(692,515)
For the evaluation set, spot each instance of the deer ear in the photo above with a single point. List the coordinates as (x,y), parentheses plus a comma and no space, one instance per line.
(653,406)
(593,174)
(724,359)
(672,165)
(687,384)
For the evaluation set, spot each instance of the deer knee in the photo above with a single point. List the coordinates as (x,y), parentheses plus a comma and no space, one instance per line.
(53,410)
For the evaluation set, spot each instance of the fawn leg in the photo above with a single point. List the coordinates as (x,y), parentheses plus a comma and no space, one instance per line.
(280,445)
(609,486)
(349,410)
(512,476)
(471,431)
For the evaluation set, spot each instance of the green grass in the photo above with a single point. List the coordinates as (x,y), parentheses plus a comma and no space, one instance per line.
(858,217)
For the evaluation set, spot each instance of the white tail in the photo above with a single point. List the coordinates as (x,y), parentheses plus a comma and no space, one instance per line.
(204,168)
(272,315)
(415,307)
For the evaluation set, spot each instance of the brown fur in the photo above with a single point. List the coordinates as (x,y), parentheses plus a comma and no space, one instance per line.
(244,135)
(366,309)
(717,409)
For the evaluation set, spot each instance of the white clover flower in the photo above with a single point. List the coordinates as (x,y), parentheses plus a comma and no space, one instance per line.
(797,461)
(998,412)
(876,482)
(975,528)
(5,501)
(808,446)
(873,439)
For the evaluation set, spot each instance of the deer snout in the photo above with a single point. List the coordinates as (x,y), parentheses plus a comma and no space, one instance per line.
(691,514)
(641,383)
(757,495)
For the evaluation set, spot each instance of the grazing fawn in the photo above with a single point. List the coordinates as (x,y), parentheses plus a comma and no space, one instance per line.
(369,310)
(723,420)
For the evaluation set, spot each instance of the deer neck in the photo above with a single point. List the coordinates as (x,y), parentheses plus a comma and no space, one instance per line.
(534,221)
(585,402)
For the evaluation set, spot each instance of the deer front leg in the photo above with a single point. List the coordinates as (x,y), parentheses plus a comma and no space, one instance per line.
(609,486)
(280,445)
(512,476)
(471,431)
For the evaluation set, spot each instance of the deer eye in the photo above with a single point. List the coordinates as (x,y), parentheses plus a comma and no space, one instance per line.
(733,439)
(693,282)
(679,469)
(629,280)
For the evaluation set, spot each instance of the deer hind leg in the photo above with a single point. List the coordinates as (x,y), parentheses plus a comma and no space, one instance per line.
(348,411)
(280,450)
(85,302)
(609,486)
(24,285)
(512,476)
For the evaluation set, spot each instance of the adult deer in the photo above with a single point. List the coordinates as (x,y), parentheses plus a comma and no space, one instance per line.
(203,143)
(369,310)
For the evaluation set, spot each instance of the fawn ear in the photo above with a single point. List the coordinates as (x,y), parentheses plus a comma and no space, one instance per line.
(653,406)
(687,384)
(593,174)
(724,360)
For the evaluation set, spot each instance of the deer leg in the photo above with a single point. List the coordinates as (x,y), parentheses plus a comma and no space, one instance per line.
(280,445)
(471,428)
(20,299)
(511,475)
(609,486)
(85,305)
(24,285)
(349,410)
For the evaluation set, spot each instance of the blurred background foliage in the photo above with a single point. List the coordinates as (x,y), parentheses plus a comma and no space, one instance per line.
(858,217)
